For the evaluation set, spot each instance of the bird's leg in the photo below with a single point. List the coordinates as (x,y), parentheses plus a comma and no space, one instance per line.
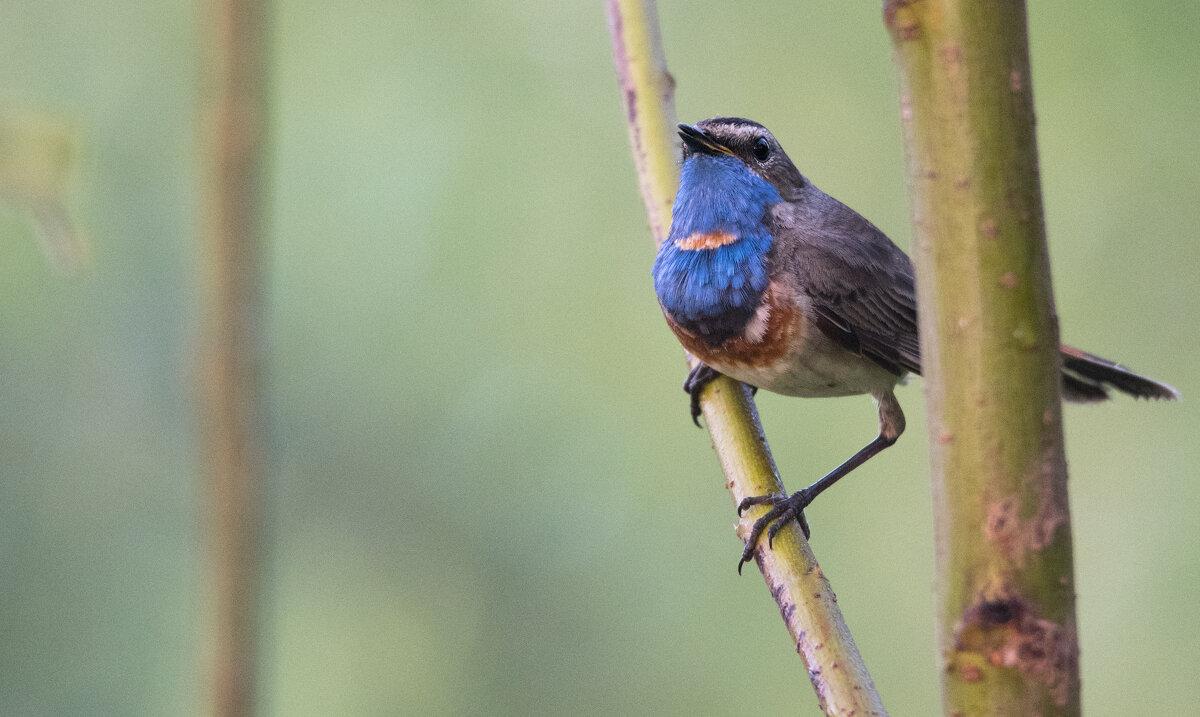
(784,508)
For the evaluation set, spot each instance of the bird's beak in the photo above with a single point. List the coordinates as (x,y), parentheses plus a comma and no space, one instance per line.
(698,140)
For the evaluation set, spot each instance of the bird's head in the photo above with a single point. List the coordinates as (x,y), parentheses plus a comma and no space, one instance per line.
(729,139)
(711,273)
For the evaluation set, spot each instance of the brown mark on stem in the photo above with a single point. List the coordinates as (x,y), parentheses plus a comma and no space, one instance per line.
(903,24)
(1002,528)
(1016,81)
(668,94)
(1052,512)
(1015,536)
(971,673)
(1006,632)
(631,108)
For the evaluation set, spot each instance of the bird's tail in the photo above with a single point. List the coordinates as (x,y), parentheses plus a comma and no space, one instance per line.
(1088,378)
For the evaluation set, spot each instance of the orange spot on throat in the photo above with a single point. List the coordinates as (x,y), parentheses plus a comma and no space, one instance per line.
(705,240)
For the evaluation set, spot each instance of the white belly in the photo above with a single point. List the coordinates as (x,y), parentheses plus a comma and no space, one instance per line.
(815,366)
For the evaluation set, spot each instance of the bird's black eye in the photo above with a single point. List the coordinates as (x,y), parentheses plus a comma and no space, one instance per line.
(762,149)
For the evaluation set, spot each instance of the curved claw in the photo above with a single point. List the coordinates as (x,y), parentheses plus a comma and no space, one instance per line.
(696,408)
(697,379)
(747,555)
(768,499)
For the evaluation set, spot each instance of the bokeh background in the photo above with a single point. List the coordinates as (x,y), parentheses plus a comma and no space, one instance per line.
(486,496)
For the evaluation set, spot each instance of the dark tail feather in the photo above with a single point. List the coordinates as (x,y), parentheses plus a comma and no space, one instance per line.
(1088,378)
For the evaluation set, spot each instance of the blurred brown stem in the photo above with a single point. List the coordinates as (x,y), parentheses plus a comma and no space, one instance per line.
(805,599)
(233,106)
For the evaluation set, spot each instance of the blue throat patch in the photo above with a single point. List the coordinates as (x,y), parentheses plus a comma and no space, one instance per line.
(711,272)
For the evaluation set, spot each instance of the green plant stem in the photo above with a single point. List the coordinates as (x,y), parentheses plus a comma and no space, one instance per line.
(989,344)
(806,601)
(234,110)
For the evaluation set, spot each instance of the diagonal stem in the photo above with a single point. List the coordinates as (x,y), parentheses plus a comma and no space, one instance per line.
(806,601)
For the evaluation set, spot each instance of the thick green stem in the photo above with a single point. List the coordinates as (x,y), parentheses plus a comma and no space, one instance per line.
(806,601)
(989,344)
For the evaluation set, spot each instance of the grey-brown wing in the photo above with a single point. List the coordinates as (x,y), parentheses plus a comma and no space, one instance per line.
(860,283)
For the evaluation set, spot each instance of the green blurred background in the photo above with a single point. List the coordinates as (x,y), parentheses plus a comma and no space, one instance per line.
(486,495)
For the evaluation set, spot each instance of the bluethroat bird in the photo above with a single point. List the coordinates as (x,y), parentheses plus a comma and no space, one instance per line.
(770,281)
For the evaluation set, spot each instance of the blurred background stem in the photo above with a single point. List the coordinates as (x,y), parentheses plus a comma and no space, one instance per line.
(989,340)
(233,107)
(805,599)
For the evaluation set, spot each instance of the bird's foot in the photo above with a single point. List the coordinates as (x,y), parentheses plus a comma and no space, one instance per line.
(697,379)
(783,509)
